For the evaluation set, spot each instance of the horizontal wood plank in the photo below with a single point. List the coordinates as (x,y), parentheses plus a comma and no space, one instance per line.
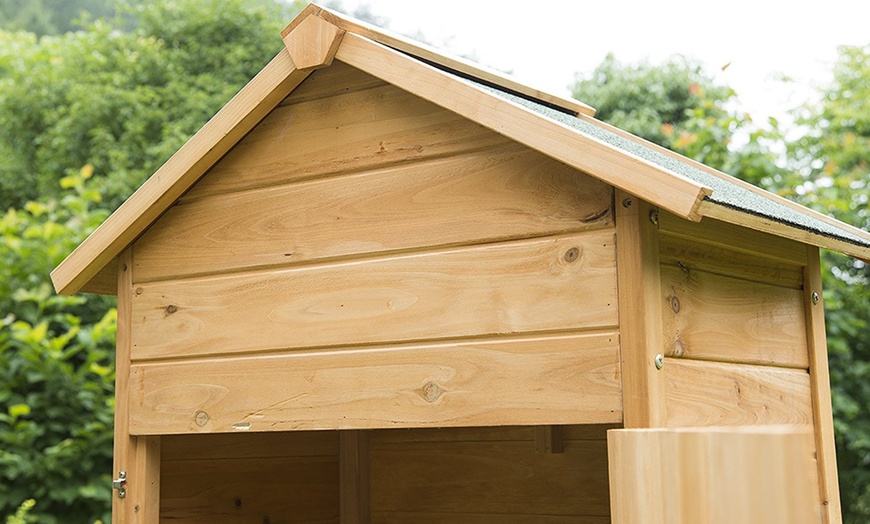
(473,198)
(287,490)
(479,383)
(240,445)
(356,131)
(492,434)
(692,254)
(481,478)
(612,165)
(713,317)
(430,517)
(718,233)
(549,284)
(721,394)
(335,80)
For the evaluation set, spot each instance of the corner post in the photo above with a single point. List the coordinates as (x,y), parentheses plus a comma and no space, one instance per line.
(641,336)
(820,384)
(137,457)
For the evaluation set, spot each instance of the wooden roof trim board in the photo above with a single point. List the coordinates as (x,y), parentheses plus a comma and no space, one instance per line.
(736,217)
(428,53)
(666,189)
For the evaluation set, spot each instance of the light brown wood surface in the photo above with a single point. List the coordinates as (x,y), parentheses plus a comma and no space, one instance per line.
(695,253)
(335,80)
(487,480)
(712,317)
(137,457)
(722,394)
(722,234)
(575,378)
(178,174)
(820,383)
(640,326)
(639,177)
(350,132)
(312,42)
(511,287)
(714,476)
(472,198)
(798,234)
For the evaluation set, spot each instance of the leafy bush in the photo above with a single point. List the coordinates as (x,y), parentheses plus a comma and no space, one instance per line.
(56,366)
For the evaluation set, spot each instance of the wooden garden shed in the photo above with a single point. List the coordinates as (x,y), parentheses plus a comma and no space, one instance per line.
(386,285)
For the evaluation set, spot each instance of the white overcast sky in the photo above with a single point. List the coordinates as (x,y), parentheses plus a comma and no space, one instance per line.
(544,43)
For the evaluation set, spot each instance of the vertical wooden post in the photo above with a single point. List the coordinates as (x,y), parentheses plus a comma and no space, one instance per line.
(820,382)
(138,457)
(354,475)
(640,315)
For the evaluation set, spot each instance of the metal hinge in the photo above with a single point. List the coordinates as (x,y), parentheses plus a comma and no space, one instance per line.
(120,484)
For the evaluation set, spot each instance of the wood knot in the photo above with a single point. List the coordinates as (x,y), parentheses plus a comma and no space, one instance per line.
(171,308)
(675,304)
(201,418)
(431,392)
(572,254)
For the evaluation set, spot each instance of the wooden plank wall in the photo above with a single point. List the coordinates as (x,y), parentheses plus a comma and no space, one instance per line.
(734,326)
(413,475)
(246,477)
(364,259)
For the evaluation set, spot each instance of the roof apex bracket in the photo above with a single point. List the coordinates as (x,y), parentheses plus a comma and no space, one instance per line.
(312,42)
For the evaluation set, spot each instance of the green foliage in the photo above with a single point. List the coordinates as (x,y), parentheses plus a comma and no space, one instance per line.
(124,101)
(21,514)
(832,174)
(47,17)
(56,366)
(678,106)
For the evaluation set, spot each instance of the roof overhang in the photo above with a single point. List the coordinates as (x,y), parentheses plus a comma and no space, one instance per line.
(317,37)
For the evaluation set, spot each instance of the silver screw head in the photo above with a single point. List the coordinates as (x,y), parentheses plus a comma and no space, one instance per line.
(660,361)
(815,297)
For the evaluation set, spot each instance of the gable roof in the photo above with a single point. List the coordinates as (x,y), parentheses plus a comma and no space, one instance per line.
(561,128)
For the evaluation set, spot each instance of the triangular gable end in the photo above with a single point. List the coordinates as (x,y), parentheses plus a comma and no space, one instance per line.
(561,129)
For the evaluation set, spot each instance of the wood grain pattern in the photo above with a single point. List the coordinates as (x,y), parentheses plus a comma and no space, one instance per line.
(285,490)
(718,394)
(636,176)
(489,480)
(713,317)
(474,198)
(640,327)
(178,174)
(240,445)
(494,435)
(430,517)
(335,80)
(820,381)
(453,384)
(359,130)
(693,253)
(718,476)
(312,42)
(718,233)
(794,234)
(512,287)
(354,477)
